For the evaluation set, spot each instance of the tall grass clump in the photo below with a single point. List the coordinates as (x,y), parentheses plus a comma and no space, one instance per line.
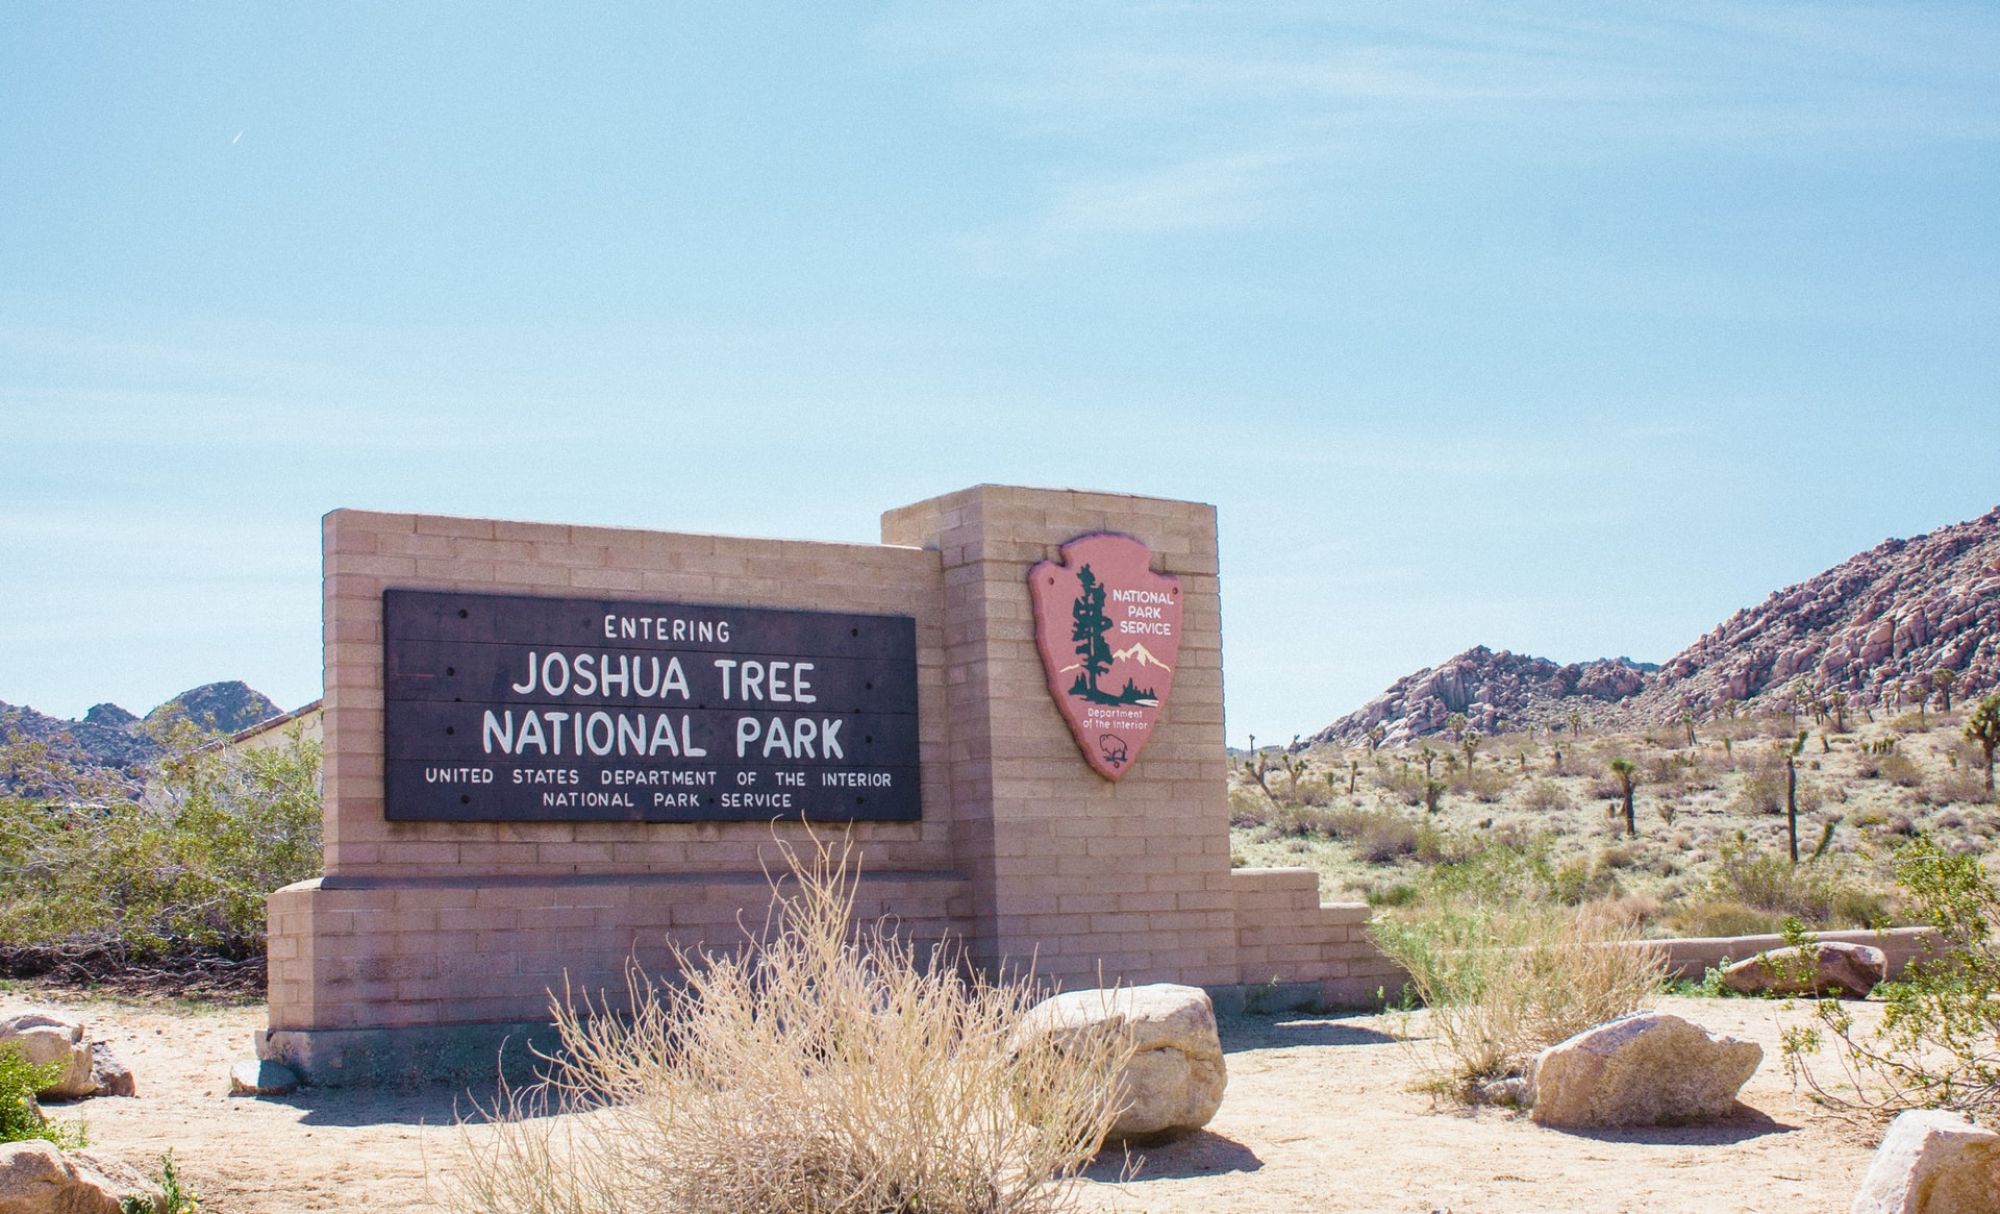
(822,1067)
(1505,977)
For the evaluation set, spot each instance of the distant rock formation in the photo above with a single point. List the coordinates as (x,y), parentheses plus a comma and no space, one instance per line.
(1872,627)
(1893,614)
(112,741)
(1494,691)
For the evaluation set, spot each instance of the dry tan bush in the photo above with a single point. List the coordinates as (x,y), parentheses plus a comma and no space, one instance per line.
(1503,980)
(1546,795)
(821,1068)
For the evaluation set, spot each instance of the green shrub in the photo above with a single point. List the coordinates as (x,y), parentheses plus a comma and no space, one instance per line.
(1822,893)
(180,871)
(20,1117)
(1938,1043)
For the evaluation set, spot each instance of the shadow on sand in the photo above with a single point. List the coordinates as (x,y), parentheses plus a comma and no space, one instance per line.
(434,1106)
(1201,1153)
(1743,1124)
(1290,1029)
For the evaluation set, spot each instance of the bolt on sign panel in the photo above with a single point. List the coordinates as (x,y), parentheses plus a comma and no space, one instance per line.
(520,708)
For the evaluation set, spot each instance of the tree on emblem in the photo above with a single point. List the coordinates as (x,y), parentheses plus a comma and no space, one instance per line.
(1091,625)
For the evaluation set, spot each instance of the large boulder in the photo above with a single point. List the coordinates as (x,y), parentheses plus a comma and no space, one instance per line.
(1932,1162)
(1648,1068)
(1831,967)
(36,1178)
(1174,1081)
(43,1039)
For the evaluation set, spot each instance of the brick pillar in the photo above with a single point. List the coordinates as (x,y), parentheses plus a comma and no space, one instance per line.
(1069,870)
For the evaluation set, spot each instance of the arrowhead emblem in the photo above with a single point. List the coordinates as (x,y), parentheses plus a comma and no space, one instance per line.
(1109,630)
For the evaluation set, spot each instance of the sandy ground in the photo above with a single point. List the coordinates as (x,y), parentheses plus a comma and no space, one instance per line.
(1320,1116)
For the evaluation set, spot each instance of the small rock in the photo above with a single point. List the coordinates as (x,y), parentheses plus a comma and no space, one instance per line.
(1848,970)
(1649,1068)
(1174,1082)
(36,1178)
(1932,1162)
(44,1038)
(112,1077)
(262,1077)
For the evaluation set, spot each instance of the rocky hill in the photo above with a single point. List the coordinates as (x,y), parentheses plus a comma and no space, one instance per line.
(1493,691)
(111,740)
(1873,627)
(1889,617)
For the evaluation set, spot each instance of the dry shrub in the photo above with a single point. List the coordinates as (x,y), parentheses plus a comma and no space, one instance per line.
(819,1068)
(1721,916)
(1546,795)
(1377,836)
(1954,786)
(1899,769)
(1503,980)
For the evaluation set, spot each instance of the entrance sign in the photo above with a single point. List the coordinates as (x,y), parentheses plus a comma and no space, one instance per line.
(1109,631)
(535,781)
(522,708)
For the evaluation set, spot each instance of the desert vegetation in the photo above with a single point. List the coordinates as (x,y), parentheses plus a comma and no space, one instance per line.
(162,881)
(824,1065)
(1725,826)
(1938,1043)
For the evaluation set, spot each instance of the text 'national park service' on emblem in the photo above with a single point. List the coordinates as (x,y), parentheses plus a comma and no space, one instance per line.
(1109,630)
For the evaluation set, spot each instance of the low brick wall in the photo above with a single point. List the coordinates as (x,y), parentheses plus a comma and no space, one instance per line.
(1285,935)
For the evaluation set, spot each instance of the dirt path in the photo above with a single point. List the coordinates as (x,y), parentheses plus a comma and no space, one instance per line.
(1319,1117)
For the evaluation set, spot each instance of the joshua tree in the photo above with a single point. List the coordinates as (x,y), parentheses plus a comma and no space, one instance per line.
(1627,776)
(1429,757)
(1982,729)
(1575,723)
(1837,700)
(1469,742)
(1353,774)
(1687,723)
(1792,791)
(1433,793)
(1294,766)
(1455,725)
(1375,735)
(1556,763)
(1257,767)
(1942,678)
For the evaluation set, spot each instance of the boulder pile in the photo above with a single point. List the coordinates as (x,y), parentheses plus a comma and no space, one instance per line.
(89,1068)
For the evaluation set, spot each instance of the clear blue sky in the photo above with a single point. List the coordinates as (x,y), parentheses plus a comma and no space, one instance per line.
(1562,328)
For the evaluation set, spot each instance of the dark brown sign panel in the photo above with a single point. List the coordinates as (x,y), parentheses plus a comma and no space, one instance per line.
(522,708)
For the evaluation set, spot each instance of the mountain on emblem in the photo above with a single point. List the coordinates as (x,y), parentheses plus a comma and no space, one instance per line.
(1109,632)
